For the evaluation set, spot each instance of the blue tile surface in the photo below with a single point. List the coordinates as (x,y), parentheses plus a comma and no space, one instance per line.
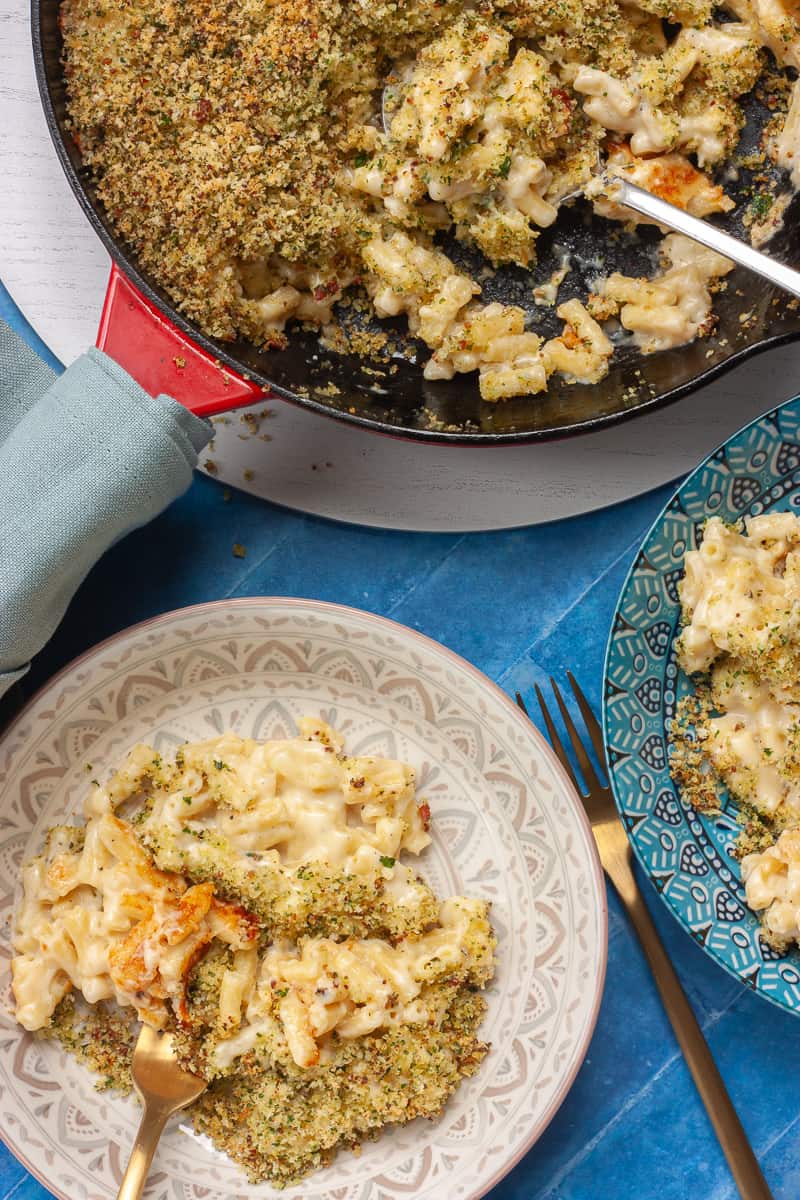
(521,605)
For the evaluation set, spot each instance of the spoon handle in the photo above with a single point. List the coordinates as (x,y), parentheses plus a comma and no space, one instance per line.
(154,1118)
(664,213)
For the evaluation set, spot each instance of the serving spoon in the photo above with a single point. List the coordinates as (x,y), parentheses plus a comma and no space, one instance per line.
(163,1088)
(622,191)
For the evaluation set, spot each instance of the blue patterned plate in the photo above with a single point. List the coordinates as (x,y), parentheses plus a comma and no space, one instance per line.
(689,858)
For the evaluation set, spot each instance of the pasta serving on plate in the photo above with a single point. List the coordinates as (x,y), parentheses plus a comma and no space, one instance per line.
(241,152)
(252,898)
(740,597)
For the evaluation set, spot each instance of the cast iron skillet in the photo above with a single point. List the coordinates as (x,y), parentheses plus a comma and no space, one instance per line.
(400,401)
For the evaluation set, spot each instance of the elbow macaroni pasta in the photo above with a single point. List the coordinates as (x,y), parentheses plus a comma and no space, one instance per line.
(97,916)
(675,306)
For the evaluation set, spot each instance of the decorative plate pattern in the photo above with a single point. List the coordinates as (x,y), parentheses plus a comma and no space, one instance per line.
(689,858)
(506,826)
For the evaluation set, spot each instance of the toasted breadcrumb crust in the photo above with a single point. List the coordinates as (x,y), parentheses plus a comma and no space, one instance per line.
(688,761)
(278,1121)
(101,1037)
(216,132)
(280,1127)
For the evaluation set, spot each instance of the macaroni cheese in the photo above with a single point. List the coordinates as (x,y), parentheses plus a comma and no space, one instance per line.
(250,897)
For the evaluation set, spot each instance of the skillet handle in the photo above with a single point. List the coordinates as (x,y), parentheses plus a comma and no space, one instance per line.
(163,359)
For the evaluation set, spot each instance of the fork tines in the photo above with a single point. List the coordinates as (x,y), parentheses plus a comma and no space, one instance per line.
(591,779)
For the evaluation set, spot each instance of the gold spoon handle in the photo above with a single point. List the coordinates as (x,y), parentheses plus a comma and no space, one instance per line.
(723,1116)
(150,1129)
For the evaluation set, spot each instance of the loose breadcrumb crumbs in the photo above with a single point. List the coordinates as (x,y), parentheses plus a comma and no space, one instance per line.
(688,760)
(101,1037)
(280,1124)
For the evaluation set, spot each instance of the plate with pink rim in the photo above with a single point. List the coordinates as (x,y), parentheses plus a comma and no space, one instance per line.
(506,826)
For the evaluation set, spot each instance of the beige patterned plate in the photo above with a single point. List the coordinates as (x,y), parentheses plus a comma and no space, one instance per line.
(506,826)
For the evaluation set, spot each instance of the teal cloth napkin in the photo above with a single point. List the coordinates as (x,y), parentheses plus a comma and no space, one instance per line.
(85,457)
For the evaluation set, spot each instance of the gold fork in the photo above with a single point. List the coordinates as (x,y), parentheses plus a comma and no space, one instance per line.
(164,1088)
(615,855)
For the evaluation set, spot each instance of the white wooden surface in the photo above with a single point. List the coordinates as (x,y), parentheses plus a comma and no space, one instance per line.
(55,268)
